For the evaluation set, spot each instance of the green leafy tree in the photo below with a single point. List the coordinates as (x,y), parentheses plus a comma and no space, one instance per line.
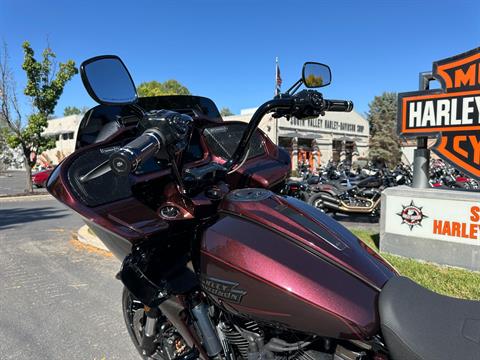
(45,84)
(155,88)
(225,111)
(71,110)
(384,141)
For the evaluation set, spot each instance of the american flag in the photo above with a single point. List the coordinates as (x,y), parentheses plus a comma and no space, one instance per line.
(278,78)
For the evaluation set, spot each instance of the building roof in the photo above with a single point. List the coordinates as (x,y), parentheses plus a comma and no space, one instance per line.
(63,125)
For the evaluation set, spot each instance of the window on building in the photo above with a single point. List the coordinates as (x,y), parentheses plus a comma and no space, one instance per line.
(336,151)
(350,149)
(67,136)
(285,142)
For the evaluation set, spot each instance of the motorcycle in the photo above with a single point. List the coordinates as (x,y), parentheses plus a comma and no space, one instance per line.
(296,189)
(214,264)
(360,197)
(330,174)
(356,195)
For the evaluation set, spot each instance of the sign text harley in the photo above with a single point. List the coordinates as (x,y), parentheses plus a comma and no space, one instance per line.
(452,113)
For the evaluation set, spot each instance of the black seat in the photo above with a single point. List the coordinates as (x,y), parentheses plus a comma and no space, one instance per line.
(420,324)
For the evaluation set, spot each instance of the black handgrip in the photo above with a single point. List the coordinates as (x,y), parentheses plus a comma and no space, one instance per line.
(126,160)
(338,105)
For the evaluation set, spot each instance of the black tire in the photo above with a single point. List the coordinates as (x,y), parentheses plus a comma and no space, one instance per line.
(129,304)
(316,201)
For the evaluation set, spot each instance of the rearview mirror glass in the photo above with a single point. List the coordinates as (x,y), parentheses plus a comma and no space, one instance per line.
(316,75)
(108,81)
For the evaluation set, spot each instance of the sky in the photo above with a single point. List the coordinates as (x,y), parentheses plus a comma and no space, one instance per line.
(226,49)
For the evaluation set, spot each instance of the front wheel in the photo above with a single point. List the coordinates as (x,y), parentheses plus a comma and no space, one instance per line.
(169,342)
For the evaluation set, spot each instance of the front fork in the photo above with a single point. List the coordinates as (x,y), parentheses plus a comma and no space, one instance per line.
(150,330)
(175,310)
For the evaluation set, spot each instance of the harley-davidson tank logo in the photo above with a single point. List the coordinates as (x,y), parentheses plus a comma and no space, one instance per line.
(451,113)
(412,215)
(222,288)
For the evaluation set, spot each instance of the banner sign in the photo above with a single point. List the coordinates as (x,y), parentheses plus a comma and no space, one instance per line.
(439,219)
(451,113)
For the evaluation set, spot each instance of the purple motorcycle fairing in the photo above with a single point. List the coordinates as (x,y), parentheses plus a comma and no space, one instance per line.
(289,264)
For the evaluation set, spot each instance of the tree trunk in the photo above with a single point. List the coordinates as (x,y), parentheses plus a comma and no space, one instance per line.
(28,169)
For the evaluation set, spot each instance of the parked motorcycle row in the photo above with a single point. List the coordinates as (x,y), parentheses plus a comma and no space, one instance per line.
(337,189)
(445,176)
(215,265)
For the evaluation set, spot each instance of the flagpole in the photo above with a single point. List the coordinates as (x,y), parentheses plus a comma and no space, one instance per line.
(276,69)
(276,87)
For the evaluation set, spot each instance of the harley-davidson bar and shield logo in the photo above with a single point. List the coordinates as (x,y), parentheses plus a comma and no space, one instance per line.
(451,113)
(223,288)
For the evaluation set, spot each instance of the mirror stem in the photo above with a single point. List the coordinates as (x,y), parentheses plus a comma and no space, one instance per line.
(294,87)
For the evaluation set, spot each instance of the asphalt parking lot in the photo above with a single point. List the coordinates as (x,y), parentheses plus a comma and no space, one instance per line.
(13,182)
(57,301)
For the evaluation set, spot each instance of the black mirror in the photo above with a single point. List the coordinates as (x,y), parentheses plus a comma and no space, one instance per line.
(108,81)
(315,75)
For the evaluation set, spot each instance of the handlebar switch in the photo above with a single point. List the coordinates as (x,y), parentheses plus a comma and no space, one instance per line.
(173,126)
(308,103)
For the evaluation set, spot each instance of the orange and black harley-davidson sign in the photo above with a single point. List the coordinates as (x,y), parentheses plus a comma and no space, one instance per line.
(452,113)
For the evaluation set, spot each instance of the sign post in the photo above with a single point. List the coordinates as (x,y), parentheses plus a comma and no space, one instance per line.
(439,225)
(421,163)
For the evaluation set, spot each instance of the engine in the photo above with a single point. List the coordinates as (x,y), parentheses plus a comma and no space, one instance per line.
(245,339)
(232,335)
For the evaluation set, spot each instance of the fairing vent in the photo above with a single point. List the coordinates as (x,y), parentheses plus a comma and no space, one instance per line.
(104,189)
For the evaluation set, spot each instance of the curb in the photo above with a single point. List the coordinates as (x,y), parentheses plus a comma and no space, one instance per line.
(25,197)
(85,236)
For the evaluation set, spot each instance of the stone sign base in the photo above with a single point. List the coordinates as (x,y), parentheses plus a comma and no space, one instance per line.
(437,225)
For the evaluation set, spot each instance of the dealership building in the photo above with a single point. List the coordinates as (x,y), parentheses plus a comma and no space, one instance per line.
(337,136)
(64,131)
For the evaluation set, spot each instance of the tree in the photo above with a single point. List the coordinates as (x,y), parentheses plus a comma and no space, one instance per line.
(225,111)
(71,110)
(384,141)
(7,156)
(9,109)
(155,88)
(45,84)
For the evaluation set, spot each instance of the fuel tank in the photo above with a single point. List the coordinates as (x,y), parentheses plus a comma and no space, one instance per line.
(280,261)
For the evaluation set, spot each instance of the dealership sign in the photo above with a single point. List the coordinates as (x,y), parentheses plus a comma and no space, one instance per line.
(439,219)
(451,113)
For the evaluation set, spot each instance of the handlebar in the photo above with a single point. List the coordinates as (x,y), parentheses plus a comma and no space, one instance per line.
(126,160)
(304,104)
(169,127)
(166,130)
(338,105)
